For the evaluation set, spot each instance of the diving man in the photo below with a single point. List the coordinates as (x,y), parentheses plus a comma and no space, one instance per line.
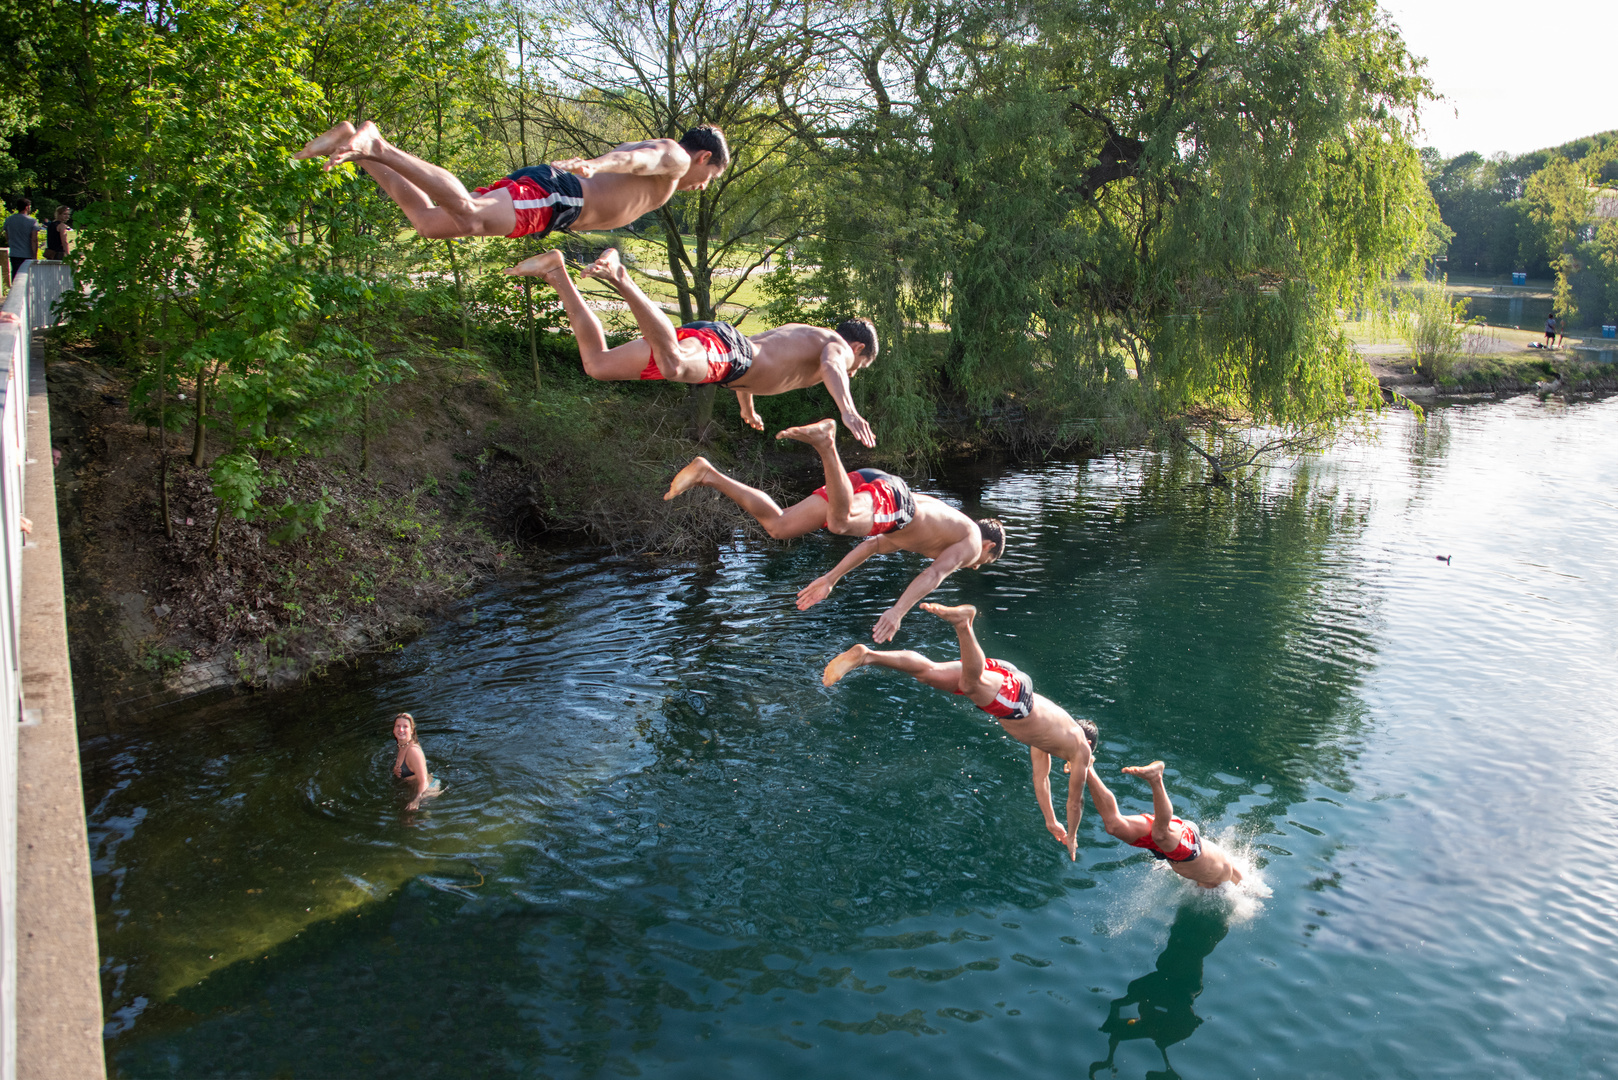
(577,194)
(788,357)
(869,503)
(1006,694)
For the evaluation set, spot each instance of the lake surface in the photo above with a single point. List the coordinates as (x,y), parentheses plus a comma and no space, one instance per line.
(666,850)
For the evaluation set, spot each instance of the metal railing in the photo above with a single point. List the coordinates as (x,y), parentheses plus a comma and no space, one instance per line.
(32,300)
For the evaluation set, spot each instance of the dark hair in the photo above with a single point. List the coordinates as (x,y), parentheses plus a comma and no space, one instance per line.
(860,331)
(22,204)
(709,138)
(1091,734)
(995,533)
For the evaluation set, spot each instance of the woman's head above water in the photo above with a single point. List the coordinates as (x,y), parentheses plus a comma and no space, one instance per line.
(404,728)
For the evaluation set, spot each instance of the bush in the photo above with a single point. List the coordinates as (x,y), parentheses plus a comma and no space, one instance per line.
(1435,329)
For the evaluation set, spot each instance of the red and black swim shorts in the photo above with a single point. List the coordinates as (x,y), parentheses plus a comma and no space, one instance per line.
(1189,848)
(546,199)
(1015,698)
(729,353)
(893,506)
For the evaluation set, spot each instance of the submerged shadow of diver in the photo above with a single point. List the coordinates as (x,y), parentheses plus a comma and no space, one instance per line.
(1164,996)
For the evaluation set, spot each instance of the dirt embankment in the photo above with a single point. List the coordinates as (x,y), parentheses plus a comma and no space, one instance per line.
(464,476)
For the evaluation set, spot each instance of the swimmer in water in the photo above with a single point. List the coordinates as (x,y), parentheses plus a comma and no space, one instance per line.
(1006,694)
(1188,852)
(411,764)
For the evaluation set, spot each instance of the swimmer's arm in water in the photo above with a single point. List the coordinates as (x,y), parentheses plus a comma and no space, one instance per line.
(1042,792)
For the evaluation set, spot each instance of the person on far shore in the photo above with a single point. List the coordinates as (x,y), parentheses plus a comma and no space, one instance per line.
(1550,330)
(411,764)
(22,235)
(59,235)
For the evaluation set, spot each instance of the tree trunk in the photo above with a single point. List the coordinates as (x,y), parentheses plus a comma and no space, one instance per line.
(199,444)
(460,295)
(533,332)
(365,433)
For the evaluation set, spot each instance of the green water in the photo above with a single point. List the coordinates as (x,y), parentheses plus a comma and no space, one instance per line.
(665,849)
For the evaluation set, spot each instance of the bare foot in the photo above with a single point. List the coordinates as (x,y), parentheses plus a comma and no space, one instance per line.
(843,663)
(1154,771)
(607,267)
(325,144)
(340,146)
(821,434)
(961,615)
(689,477)
(543,265)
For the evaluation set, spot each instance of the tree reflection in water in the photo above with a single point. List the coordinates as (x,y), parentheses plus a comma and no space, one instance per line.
(1164,997)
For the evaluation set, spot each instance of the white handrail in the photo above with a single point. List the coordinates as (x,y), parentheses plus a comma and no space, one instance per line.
(14,342)
(36,288)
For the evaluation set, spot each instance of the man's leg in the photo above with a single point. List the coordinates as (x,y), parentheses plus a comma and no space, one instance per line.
(973,660)
(432,222)
(683,365)
(1127,829)
(938,676)
(623,364)
(843,514)
(799,519)
(1165,834)
(472,217)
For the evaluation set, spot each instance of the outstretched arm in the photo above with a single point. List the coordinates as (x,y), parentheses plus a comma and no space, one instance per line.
(820,588)
(1075,805)
(655,157)
(1042,792)
(834,360)
(951,559)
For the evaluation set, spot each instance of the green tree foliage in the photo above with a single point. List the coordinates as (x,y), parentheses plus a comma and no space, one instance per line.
(1059,214)
(1167,202)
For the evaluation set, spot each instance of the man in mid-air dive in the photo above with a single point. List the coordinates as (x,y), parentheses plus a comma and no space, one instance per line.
(789,357)
(578,194)
(1188,853)
(868,503)
(1006,694)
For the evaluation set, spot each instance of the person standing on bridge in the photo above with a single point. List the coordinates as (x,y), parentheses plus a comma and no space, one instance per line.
(59,235)
(22,235)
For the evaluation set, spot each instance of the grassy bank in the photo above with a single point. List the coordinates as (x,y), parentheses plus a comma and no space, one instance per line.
(467,468)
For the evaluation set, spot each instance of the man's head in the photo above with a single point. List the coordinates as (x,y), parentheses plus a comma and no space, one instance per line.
(709,156)
(23,205)
(994,540)
(1092,735)
(861,337)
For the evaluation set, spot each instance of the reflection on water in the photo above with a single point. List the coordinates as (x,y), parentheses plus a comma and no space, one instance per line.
(1163,999)
(665,848)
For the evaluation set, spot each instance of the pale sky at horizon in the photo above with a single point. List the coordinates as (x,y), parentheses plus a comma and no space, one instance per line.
(1497,64)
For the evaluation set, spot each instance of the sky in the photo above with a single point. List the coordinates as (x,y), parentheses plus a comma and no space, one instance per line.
(1515,76)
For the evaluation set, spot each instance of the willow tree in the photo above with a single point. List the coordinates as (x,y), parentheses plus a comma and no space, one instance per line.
(1171,203)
